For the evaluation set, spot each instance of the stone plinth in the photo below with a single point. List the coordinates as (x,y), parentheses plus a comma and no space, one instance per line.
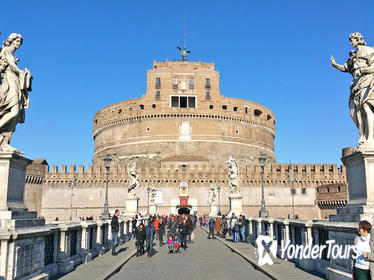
(152,209)
(360,178)
(236,203)
(132,206)
(13,212)
(213,210)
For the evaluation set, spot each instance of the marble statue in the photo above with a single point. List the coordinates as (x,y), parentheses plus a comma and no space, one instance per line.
(212,193)
(153,194)
(134,181)
(360,65)
(233,176)
(14,87)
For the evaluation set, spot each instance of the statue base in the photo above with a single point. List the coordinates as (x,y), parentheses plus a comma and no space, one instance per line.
(132,206)
(236,204)
(213,211)
(13,211)
(360,177)
(152,209)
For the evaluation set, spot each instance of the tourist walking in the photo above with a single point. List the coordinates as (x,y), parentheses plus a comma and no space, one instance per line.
(361,266)
(242,228)
(183,232)
(115,229)
(211,228)
(149,235)
(224,226)
(233,221)
(133,225)
(190,226)
(161,230)
(140,237)
(217,225)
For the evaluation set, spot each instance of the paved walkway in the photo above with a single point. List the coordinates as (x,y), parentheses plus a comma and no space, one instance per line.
(204,259)
(102,267)
(281,269)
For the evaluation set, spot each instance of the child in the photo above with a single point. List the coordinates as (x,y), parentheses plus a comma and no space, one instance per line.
(170,244)
(177,244)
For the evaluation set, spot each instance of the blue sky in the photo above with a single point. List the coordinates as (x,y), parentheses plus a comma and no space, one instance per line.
(85,55)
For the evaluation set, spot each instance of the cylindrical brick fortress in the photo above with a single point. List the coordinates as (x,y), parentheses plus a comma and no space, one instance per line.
(184,114)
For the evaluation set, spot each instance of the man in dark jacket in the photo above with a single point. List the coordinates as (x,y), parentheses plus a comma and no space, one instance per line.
(115,229)
(149,235)
(211,228)
(161,230)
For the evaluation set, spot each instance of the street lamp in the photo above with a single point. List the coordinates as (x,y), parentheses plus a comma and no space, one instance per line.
(148,190)
(71,184)
(291,180)
(219,200)
(263,212)
(105,214)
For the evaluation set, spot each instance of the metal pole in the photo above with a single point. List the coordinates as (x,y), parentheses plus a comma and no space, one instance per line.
(106,192)
(263,212)
(148,201)
(219,201)
(71,200)
(293,202)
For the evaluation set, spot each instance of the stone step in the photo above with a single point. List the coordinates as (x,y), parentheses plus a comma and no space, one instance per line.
(23,215)
(29,223)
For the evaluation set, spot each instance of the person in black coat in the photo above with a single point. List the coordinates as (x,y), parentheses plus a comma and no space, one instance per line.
(115,229)
(140,237)
(183,232)
(161,230)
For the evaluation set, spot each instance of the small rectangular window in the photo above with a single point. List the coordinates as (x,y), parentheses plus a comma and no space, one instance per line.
(207,83)
(158,82)
(235,109)
(158,94)
(191,102)
(153,106)
(246,110)
(211,106)
(175,82)
(207,95)
(183,101)
(303,190)
(174,101)
(192,83)
(224,107)
(141,106)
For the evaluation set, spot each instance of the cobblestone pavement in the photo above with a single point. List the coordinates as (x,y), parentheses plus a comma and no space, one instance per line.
(204,259)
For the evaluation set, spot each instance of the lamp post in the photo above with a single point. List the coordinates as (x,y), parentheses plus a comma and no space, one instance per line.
(219,200)
(148,190)
(291,180)
(263,212)
(71,184)
(105,214)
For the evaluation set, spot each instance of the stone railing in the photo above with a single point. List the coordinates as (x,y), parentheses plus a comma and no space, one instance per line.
(312,232)
(53,249)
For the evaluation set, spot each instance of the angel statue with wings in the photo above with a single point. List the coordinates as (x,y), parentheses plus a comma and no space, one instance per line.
(233,176)
(183,52)
(14,87)
(134,181)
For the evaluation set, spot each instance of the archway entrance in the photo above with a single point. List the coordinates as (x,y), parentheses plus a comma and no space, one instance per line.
(184,210)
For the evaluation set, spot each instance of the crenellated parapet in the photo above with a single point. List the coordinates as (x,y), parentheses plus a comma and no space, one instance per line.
(302,174)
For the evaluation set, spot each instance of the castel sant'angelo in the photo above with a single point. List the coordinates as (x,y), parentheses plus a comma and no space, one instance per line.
(180,134)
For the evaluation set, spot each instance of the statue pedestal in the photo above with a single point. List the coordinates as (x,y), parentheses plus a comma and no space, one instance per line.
(152,209)
(236,203)
(132,206)
(360,178)
(213,210)
(13,212)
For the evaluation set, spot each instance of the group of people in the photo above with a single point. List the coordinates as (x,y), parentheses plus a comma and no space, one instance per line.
(237,227)
(178,228)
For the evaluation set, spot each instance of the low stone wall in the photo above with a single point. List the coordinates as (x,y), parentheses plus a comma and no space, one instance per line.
(42,252)
(314,232)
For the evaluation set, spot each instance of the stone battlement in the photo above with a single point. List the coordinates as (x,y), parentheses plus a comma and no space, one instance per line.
(325,173)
